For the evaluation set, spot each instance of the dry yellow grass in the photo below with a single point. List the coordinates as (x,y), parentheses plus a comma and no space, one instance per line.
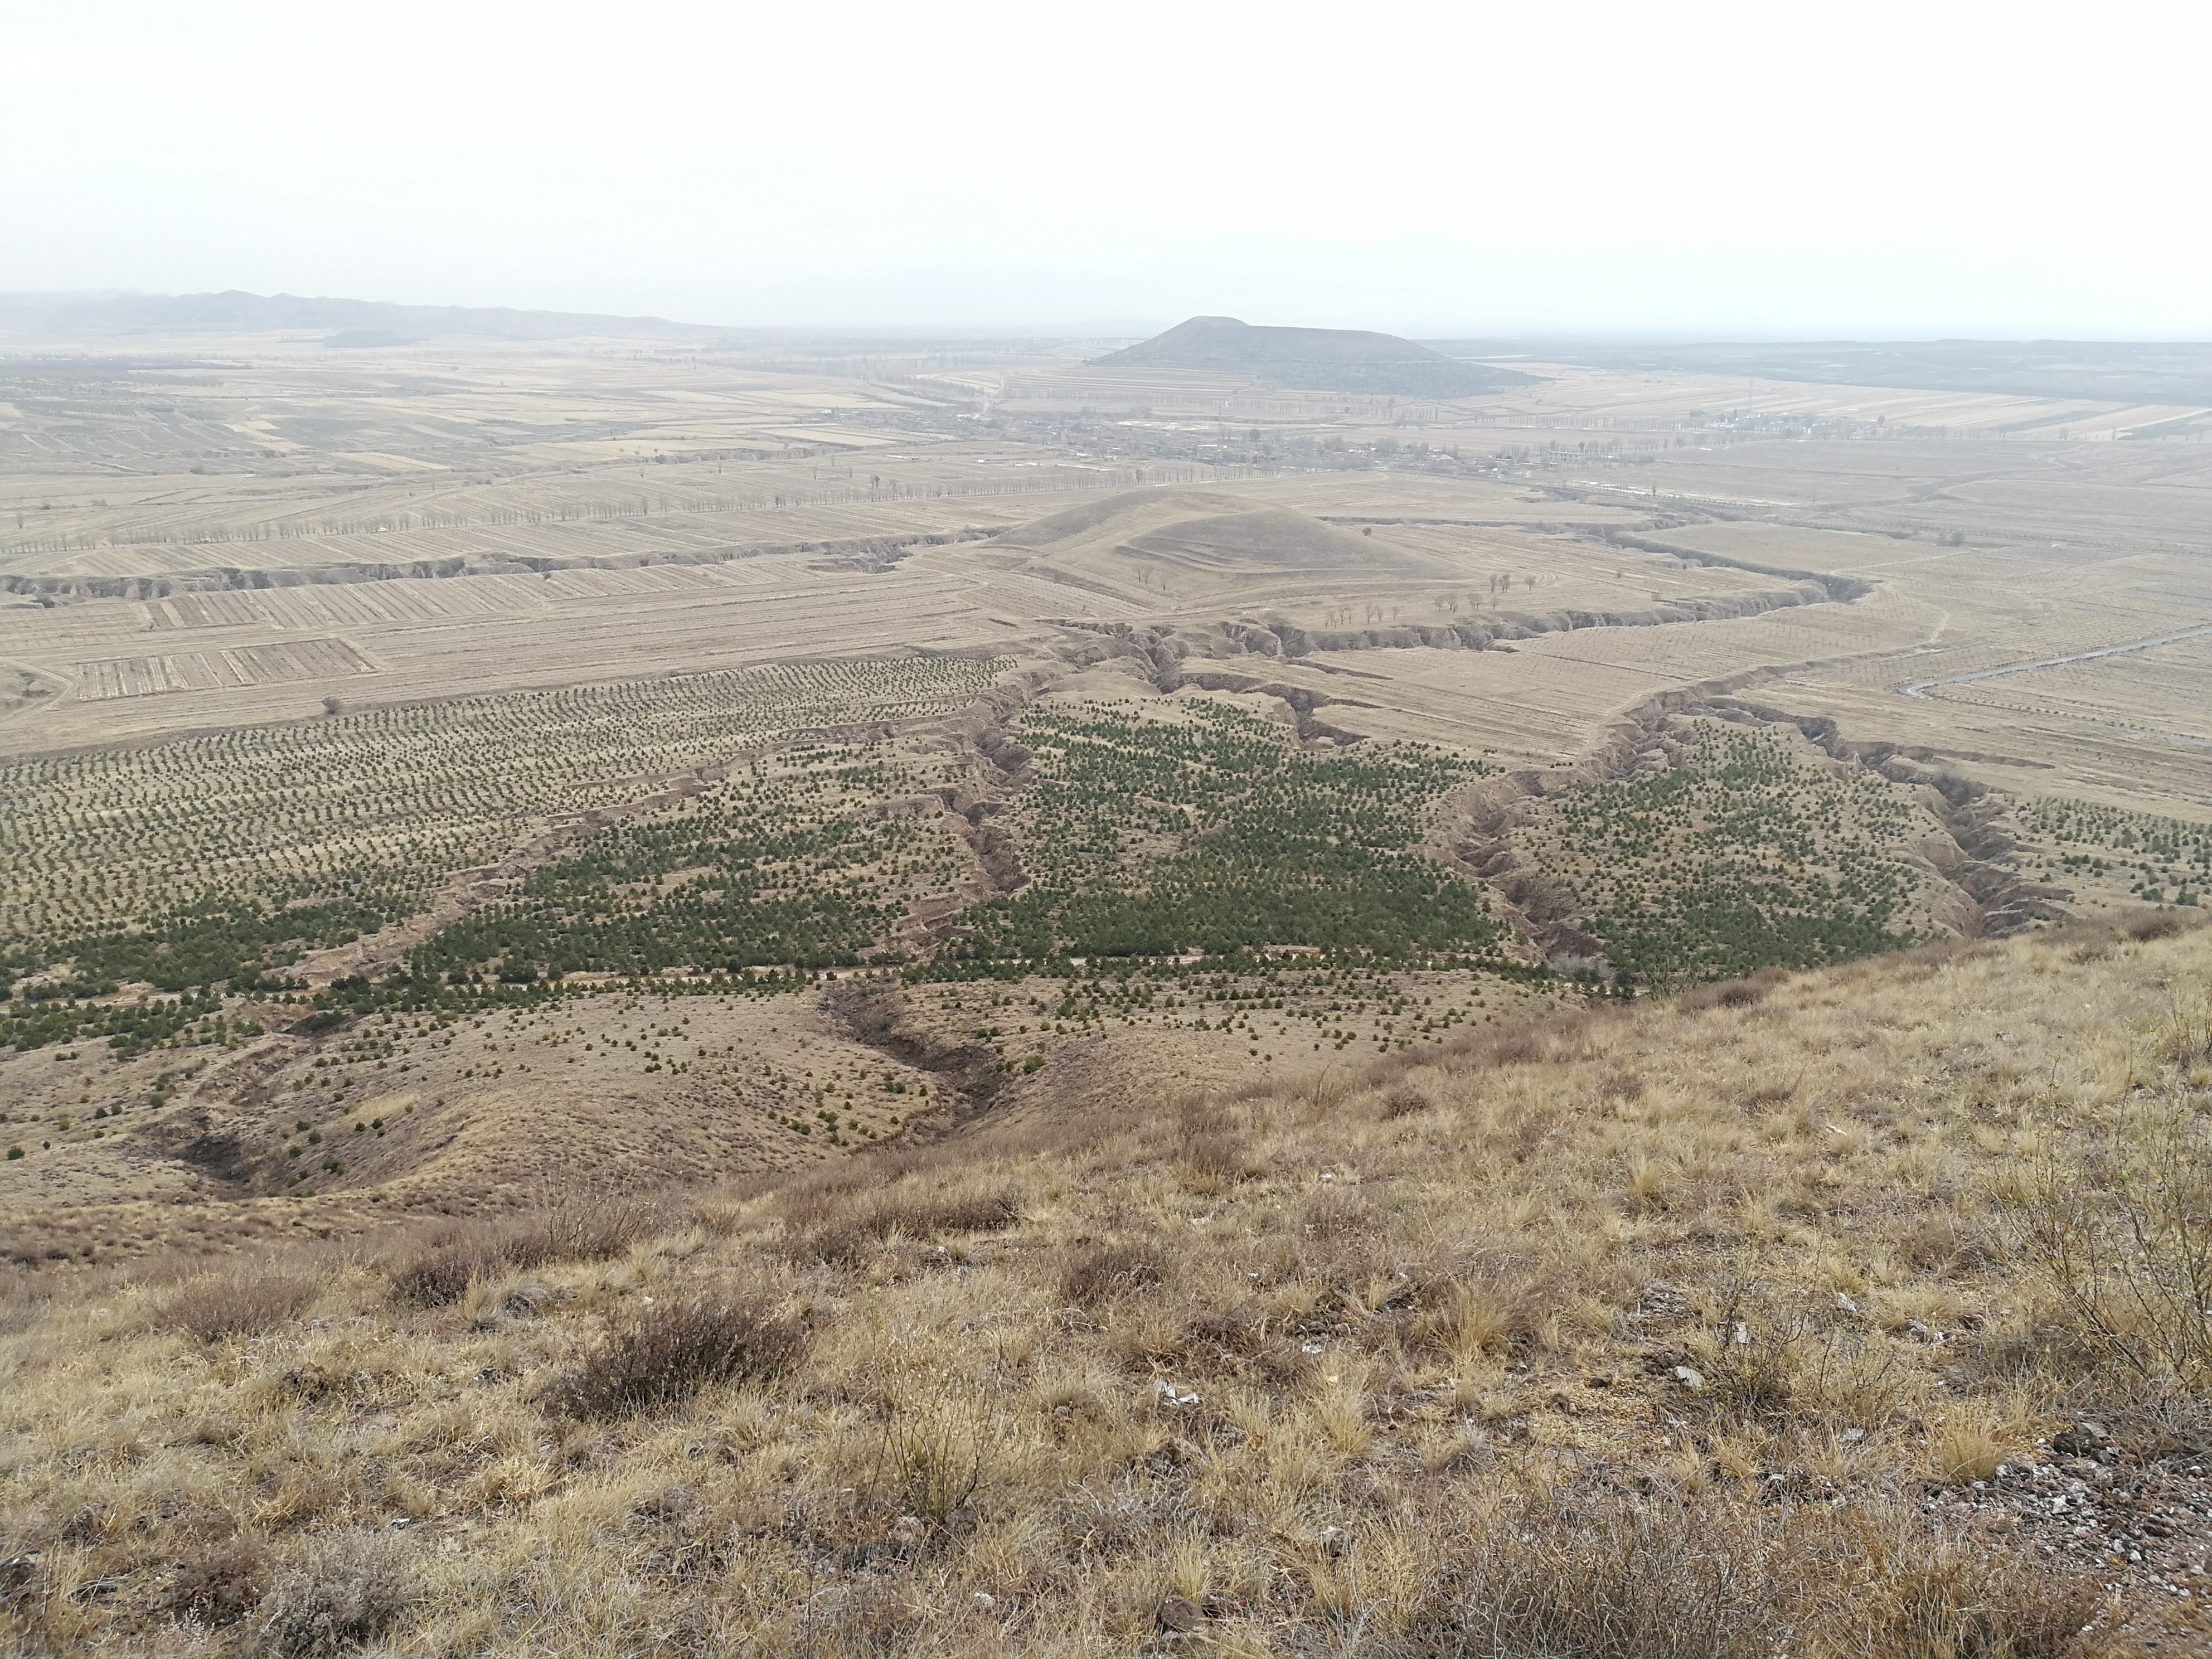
(1666,1330)
(1509,1346)
(788,511)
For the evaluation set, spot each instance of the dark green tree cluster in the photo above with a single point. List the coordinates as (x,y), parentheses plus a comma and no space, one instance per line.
(2171,859)
(243,941)
(130,1029)
(1738,859)
(1201,829)
(220,859)
(1148,837)
(764,871)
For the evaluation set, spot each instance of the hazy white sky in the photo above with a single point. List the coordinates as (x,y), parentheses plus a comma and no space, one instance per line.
(1716,169)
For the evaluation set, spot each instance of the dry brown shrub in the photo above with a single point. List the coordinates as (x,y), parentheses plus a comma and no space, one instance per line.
(1728,994)
(1215,1160)
(1539,1038)
(582,1227)
(570,1227)
(1956,1602)
(1967,1446)
(665,1356)
(1945,1245)
(807,1199)
(1611,1576)
(935,1454)
(1839,1380)
(1336,1212)
(1480,1312)
(1647,1185)
(243,1302)
(1404,1101)
(2184,1035)
(23,1300)
(2147,925)
(1611,1579)
(1520,1047)
(825,1224)
(1212,1332)
(351,1589)
(1522,1132)
(922,1214)
(814,1202)
(443,1272)
(2085,941)
(1210,1150)
(1321,1092)
(437,1276)
(1749,1358)
(2123,1238)
(1098,1273)
(220,1586)
(721,1213)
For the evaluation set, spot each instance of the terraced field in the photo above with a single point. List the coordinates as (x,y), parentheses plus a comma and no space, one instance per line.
(1027,734)
(1204,829)
(222,858)
(1737,849)
(2161,859)
(683,990)
(1048,913)
(795,861)
(318,659)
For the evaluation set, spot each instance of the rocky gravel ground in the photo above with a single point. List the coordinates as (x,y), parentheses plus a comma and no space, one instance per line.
(2140,1524)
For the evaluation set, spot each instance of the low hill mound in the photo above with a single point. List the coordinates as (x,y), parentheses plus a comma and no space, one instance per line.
(1202,534)
(1314,359)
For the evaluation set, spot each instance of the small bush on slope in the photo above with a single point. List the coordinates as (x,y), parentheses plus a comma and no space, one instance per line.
(350,1588)
(569,1227)
(662,1357)
(239,1301)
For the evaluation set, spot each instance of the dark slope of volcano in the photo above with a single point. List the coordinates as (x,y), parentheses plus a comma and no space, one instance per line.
(1315,359)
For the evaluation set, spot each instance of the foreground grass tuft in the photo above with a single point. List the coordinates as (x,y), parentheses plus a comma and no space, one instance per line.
(239,1301)
(663,1356)
(351,1587)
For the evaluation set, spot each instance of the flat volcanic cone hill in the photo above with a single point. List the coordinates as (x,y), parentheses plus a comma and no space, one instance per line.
(1195,540)
(1314,359)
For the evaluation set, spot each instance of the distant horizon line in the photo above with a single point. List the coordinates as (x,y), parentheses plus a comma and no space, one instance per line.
(1077,329)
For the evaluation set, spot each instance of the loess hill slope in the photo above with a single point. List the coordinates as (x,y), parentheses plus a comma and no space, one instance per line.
(1197,542)
(1728,1324)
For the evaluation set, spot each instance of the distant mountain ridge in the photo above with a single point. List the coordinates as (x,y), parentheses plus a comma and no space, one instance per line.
(1314,359)
(349,322)
(2117,371)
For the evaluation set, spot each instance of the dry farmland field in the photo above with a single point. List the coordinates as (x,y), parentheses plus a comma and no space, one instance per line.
(686,992)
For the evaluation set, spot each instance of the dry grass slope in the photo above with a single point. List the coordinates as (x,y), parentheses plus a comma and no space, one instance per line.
(1677,1329)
